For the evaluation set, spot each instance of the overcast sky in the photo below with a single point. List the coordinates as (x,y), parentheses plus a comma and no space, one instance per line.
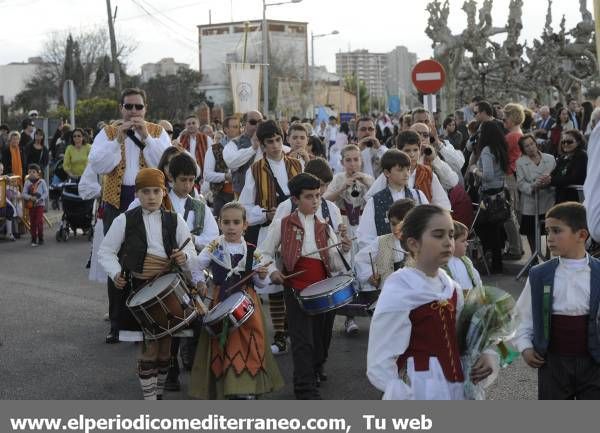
(376,25)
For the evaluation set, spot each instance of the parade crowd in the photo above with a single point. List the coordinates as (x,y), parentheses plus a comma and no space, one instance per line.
(392,217)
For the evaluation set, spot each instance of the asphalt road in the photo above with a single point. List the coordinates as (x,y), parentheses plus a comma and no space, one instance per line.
(52,336)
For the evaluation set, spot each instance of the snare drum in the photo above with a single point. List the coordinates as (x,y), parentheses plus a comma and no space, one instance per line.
(236,309)
(164,306)
(327,295)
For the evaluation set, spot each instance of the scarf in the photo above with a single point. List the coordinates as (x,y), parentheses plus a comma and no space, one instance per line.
(201,146)
(16,162)
(153,178)
(423,178)
(220,254)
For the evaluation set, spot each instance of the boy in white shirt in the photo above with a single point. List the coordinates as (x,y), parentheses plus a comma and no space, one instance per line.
(558,331)
(460,267)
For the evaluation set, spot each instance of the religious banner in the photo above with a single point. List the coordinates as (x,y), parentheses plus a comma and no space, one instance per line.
(245,86)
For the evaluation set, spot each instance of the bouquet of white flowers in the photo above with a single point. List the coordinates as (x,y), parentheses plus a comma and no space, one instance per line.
(486,320)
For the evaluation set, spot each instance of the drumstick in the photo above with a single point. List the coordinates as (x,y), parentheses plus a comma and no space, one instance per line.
(243,280)
(325,248)
(295,274)
(372,264)
(187,241)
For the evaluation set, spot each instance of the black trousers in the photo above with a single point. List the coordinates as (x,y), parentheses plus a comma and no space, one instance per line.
(569,378)
(116,297)
(311,337)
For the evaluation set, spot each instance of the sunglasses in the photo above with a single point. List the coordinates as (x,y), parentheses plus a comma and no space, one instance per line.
(424,134)
(77,136)
(567,142)
(254,122)
(365,128)
(129,107)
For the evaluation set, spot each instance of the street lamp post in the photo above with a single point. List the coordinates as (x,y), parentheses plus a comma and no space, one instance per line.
(312,62)
(265,53)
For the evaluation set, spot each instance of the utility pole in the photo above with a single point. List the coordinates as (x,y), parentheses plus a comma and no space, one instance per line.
(113,47)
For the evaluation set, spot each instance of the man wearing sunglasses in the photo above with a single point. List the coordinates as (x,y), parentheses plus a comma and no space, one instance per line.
(241,152)
(119,152)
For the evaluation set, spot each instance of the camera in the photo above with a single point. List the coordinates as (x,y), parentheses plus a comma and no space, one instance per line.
(369,143)
(354,192)
(427,151)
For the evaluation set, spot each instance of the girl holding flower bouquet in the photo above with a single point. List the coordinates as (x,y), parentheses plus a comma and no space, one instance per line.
(413,346)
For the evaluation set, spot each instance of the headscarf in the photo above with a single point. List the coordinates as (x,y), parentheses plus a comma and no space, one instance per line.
(153,178)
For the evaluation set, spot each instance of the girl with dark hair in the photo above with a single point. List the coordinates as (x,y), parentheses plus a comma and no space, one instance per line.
(491,168)
(413,330)
(36,152)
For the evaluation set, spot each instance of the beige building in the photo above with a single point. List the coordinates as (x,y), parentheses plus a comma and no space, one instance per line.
(163,67)
(223,43)
(14,77)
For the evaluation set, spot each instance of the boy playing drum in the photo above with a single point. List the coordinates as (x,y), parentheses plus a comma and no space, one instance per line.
(144,242)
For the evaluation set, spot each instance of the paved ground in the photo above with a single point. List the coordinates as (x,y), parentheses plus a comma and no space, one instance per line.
(52,336)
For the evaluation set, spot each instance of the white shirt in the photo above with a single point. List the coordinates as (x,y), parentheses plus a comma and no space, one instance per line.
(271,244)
(570,297)
(285,208)
(367,159)
(439,196)
(205,257)
(592,184)
(255,214)
(362,262)
(210,229)
(112,242)
(235,158)
(459,273)
(367,231)
(89,186)
(210,175)
(105,154)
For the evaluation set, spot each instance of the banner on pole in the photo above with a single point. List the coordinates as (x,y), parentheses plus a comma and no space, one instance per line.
(245,86)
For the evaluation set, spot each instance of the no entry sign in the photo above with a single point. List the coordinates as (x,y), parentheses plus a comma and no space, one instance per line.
(428,76)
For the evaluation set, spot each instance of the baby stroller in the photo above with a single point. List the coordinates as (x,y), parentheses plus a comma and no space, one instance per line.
(59,176)
(77,213)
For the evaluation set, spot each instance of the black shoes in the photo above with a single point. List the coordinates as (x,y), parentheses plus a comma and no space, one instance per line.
(112,337)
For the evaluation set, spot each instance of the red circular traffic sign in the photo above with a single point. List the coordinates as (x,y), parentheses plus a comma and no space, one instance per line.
(428,76)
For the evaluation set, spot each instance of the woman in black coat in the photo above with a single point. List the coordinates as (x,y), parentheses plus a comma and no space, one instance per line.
(571,166)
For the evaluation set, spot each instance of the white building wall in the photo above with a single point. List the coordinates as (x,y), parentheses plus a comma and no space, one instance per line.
(14,77)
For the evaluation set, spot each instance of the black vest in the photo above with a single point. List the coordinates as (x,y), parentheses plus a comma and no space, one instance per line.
(135,245)
(382,202)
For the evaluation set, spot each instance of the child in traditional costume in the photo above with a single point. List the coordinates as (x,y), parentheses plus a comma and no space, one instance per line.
(413,347)
(266,186)
(558,311)
(460,267)
(306,245)
(237,364)
(382,257)
(145,242)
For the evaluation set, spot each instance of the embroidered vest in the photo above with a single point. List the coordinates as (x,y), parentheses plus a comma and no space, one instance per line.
(385,261)
(201,147)
(382,202)
(113,181)
(199,208)
(423,178)
(433,333)
(541,280)
(135,244)
(220,167)
(238,176)
(266,192)
(292,238)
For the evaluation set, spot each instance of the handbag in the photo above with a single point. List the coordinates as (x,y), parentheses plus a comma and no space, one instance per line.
(494,207)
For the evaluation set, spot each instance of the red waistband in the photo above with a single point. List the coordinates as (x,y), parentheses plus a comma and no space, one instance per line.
(569,335)
(314,272)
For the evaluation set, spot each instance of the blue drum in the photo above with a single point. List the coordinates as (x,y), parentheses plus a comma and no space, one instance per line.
(327,295)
